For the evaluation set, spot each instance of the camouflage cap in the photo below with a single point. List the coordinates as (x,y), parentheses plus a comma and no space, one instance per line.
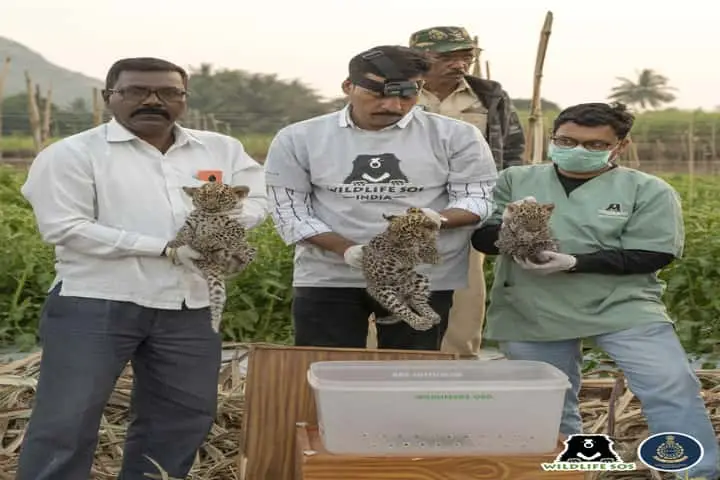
(442,39)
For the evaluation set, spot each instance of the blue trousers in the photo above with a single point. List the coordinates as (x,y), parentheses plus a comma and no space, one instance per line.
(86,344)
(658,373)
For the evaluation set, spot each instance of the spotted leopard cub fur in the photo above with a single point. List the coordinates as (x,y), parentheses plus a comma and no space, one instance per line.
(527,231)
(389,262)
(220,239)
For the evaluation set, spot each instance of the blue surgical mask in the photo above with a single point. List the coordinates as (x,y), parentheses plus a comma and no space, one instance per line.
(578,159)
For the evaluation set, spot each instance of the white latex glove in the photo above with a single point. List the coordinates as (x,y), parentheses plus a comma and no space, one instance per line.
(184,256)
(354,256)
(434,216)
(506,213)
(554,263)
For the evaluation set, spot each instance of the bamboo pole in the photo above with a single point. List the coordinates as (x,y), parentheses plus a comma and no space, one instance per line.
(536,137)
(3,76)
(476,71)
(487,70)
(34,113)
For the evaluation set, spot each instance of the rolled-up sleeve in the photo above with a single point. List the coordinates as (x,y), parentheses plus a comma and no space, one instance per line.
(61,190)
(248,172)
(290,192)
(472,172)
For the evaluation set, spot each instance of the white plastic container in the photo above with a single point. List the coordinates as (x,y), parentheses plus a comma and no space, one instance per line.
(441,407)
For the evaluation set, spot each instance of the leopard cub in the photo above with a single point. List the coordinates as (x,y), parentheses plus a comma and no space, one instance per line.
(389,263)
(527,232)
(220,239)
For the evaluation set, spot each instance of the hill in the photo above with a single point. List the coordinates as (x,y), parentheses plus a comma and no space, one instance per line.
(67,85)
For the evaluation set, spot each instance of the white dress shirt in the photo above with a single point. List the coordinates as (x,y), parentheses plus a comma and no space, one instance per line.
(109,202)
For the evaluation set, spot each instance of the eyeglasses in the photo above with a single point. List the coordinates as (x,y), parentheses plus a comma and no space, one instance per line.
(138,94)
(591,145)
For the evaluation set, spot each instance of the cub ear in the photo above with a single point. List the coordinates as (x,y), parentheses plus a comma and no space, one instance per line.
(511,207)
(549,207)
(412,210)
(389,218)
(190,191)
(241,191)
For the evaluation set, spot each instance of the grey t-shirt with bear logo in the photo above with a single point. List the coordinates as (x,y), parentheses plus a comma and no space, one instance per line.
(324,174)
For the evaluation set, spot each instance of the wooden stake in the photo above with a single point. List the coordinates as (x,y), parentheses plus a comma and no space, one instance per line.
(46,119)
(691,159)
(536,135)
(633,153)
(34,114)
(213,121)
(3,76)
(98,106)
(487,70)
(713,134)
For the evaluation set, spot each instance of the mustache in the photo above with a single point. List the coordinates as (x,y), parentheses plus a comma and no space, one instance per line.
(151,111)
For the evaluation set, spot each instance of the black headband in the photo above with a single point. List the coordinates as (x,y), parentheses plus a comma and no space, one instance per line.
(395,85)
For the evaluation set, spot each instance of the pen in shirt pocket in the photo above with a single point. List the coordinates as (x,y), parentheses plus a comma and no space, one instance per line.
(210,175)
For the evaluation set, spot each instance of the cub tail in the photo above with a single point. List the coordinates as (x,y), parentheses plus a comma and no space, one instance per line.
(218,296)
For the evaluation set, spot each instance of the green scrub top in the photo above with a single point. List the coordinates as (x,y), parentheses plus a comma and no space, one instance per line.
(619,209)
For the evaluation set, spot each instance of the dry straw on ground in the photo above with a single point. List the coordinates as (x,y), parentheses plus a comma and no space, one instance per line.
(217,458)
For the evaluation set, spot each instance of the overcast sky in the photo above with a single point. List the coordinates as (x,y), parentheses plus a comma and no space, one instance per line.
(591,43)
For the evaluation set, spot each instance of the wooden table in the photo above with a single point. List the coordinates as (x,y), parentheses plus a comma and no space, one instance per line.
(277,396)
(313,462)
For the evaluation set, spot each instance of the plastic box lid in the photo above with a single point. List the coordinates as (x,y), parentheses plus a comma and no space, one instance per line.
(411,374)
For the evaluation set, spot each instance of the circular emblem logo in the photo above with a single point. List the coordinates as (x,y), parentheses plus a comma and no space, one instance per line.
(670,452)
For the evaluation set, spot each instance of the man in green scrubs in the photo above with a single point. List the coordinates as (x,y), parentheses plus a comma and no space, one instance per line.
(616,228)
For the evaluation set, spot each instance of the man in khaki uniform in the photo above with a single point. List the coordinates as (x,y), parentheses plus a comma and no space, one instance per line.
(449,90)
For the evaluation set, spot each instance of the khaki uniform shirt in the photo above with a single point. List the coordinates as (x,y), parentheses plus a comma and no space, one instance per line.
(461,104)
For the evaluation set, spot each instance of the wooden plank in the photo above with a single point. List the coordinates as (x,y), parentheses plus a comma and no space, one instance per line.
(277,397)
(315,463)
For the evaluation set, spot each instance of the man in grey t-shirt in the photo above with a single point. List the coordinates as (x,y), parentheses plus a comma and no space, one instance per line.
(333,177)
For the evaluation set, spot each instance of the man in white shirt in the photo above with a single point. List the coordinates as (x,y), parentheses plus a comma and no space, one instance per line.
(109,199)
(332,177)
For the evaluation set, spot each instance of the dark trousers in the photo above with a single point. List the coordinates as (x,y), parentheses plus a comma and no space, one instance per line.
(338,317)
(86,344)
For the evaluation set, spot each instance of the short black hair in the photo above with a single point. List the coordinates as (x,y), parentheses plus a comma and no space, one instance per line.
(615,115)
(410,63)
(141,64)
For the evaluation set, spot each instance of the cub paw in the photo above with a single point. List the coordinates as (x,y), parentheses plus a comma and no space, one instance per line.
(421,324)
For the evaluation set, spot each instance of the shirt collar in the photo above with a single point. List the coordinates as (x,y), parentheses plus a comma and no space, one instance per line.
(345,120)
(463,86)
(115,133)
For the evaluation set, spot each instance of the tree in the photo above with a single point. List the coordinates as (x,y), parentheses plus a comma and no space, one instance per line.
(651,90)
(252,102)
(16,120)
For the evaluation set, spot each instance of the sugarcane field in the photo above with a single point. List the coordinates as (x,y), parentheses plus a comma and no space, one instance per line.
(618,274)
